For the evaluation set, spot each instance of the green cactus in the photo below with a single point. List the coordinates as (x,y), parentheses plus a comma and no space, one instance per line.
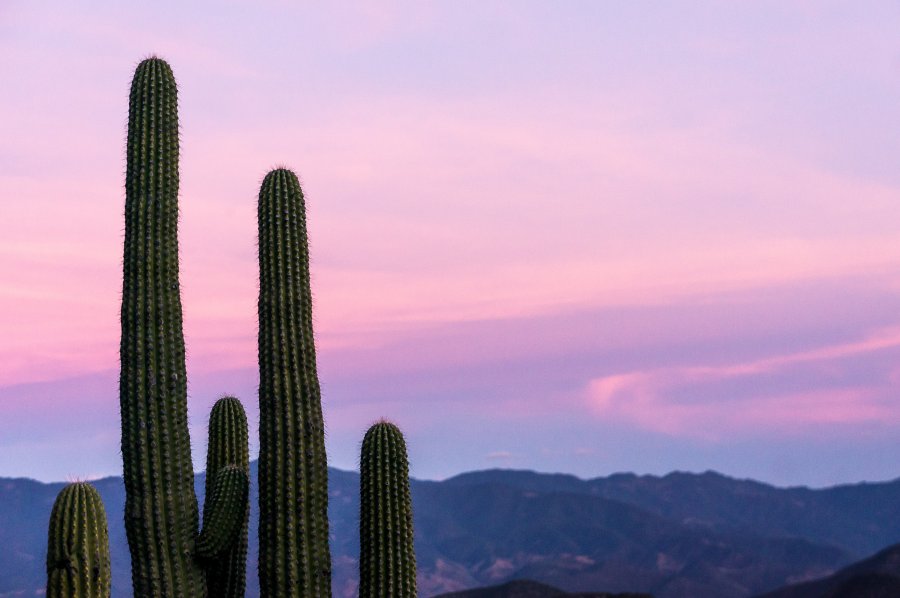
(387,559)
(78,545)
(226,577)
(294,558)
(161,514)
(227,501)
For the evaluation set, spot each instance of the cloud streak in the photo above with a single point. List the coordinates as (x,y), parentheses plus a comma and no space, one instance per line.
(698,402)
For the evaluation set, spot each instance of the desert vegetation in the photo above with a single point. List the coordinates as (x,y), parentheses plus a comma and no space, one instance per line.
(171,555)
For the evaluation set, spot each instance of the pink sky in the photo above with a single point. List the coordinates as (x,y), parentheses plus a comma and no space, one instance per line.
(586,237)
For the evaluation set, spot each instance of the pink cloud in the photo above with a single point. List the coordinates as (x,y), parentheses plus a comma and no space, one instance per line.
(656,399)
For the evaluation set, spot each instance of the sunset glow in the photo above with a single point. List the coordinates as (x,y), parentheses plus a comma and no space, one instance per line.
(586,237)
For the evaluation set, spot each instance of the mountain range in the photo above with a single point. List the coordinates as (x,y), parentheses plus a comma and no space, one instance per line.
(676,536)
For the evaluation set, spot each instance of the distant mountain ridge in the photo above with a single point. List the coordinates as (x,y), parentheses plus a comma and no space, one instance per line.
(680,535)
(856,517)
(532,589)
(875,577)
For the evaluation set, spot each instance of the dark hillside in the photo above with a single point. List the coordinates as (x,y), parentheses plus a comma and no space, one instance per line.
(681,535)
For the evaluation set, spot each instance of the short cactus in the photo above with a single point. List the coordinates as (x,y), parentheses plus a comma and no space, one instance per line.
(226,576)
(387,559)
(294,559)
(78,545)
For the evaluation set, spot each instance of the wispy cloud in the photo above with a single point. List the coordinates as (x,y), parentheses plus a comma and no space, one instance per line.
(757,397)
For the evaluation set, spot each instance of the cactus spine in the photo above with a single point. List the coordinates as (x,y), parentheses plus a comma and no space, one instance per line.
(228,448)
(161,515)
(294,559)
(78,545)
(387,559)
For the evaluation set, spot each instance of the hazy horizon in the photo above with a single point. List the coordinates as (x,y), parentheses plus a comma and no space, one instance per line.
(579,238)
(512,469)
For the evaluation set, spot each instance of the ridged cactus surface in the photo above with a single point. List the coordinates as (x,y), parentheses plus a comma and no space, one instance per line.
(161,514)
(226,576)
(294,559)
(387,559)
(78,545)
(226,512)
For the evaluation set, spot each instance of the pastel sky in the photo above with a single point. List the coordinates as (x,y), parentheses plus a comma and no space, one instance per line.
(567,236)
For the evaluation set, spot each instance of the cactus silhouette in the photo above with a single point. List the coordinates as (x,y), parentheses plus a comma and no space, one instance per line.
(294,558)
(226,576)
(78,545)
(387,559)
(161,514)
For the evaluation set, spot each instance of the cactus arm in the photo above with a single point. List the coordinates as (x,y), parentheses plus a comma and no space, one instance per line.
(78,564)
(226,575)
(227,513)
(294,559)
(387,559)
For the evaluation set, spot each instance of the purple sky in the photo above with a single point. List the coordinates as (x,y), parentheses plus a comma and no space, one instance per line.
(584,236)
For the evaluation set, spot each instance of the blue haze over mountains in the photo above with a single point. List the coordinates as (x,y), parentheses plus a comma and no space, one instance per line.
(681,535)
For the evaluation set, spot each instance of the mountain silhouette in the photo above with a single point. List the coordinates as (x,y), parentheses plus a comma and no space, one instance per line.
(531,589)
(874,577)
(679,535)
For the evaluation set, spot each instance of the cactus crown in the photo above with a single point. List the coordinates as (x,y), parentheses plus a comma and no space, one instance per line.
(228,437)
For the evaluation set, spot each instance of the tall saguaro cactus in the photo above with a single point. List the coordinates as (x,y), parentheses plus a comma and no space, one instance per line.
(78,545)
(294,559)
(387,559)
(161,514)
(228,447)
